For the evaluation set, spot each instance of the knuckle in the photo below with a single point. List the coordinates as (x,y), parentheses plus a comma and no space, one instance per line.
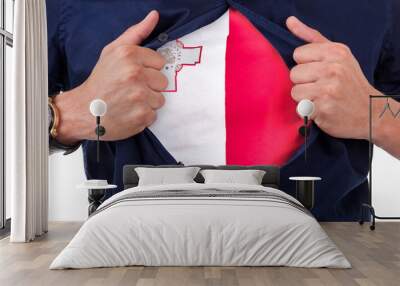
(160,100)
(134,72)
(322,110)
(122,51)
(142,115)
(141,128)
(126,51)
(330,89)
(320,121)
(329,110)
(107,49)
(150,118)
(140,95)
(326,111)
(159,59)
(335,70)
(165,82)
(343,47)
(297,54)
(162,61)
(293,74)
(295,92)
(341,50)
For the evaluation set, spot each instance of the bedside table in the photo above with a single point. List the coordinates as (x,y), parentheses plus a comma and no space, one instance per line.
(96,191)
(305,188)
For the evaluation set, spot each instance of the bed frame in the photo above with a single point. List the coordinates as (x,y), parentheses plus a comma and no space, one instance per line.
(270,179)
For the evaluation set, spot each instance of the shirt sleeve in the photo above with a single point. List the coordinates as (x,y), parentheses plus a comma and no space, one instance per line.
(387,75)
(56,60)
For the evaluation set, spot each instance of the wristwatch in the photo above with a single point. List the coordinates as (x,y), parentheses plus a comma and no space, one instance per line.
(53,118)
(53,122)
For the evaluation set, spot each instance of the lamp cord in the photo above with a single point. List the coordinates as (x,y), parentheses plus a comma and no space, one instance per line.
(98,138)
(305,138)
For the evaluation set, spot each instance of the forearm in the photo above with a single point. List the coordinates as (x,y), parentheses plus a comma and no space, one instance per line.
(386,130)
(73,126)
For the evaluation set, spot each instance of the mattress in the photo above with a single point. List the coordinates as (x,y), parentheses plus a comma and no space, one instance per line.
(201,225)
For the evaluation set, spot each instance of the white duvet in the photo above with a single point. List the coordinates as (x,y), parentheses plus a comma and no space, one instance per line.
(200,231)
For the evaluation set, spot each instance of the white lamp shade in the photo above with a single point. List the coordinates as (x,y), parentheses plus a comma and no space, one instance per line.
(305,108)
(98,107)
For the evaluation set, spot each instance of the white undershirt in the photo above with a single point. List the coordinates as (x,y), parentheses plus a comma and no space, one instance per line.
(191,125)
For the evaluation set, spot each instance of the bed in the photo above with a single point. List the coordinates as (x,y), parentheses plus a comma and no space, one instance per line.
(198,224)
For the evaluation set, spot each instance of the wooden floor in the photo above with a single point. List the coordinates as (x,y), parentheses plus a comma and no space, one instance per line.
(375,257)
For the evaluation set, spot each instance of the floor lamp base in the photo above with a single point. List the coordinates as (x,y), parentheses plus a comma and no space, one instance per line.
(373,215)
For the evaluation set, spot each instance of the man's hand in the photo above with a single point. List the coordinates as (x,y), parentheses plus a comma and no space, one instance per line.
(128,78)
(328,74)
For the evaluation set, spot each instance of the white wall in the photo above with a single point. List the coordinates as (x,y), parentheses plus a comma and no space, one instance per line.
(385,184)
(68,203)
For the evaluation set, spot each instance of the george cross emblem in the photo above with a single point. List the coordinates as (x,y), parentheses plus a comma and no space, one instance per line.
(177,56)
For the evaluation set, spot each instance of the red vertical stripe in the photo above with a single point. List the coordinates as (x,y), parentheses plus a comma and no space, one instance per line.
(261,120)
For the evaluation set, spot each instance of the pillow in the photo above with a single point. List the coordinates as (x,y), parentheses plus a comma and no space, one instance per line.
(248,177)
(163,176)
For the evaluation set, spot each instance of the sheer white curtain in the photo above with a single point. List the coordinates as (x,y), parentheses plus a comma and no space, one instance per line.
(28,148)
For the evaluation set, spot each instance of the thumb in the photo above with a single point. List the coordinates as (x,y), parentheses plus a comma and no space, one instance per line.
(139,32)
(304,32)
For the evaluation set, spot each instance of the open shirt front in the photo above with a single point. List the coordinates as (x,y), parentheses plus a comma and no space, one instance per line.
(78,30)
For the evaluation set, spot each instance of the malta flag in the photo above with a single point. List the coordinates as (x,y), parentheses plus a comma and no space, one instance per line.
(228,98)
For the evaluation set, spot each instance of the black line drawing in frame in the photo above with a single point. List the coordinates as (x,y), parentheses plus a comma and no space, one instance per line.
(368,206)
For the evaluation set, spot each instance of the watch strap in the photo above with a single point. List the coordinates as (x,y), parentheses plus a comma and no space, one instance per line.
(54,145)
(55,117)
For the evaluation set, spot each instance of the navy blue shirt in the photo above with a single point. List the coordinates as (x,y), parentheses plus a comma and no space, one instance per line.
(79,29)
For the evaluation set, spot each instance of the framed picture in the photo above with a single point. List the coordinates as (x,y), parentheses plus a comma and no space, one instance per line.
(387,110)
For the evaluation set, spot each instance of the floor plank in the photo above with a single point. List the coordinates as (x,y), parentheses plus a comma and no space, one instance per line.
(375,257)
